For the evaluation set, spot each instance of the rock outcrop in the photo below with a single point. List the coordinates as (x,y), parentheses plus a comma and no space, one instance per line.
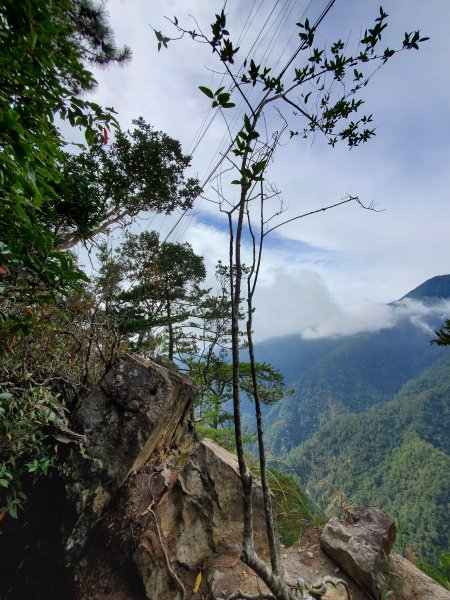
(157,513)
(306,560)
(157,507)
(407,582)
(361,545)
(138,411)
(200,520)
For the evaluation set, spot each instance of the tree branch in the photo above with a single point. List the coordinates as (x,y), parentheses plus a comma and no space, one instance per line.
(371,207)
(72,239)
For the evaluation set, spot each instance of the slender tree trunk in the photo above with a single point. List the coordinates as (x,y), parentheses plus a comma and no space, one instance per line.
(268,508)
(273,579)
(170,325)
(235,285)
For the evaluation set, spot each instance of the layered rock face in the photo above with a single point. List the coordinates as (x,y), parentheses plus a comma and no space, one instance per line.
(157,507)
(137,413)
(407,582)
(200,526)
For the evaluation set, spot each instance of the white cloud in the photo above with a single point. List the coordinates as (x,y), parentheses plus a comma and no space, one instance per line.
(297,298)
(419,313)
(370,316)
(291,302)
(354,318)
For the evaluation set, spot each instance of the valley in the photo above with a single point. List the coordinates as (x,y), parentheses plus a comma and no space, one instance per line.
(367,422)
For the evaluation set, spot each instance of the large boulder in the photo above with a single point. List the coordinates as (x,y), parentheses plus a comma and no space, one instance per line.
(360,545)
(139,409)
(155,506)
(305,560)
(168,523)
(197,527)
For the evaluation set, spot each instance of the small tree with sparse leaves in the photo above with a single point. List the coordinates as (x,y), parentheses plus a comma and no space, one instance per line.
(321,89)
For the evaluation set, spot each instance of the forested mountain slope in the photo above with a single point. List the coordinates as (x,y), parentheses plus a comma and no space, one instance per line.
(368,420)
(396,456)
(359,372)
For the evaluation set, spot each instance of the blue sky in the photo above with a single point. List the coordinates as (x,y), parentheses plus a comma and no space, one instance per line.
(344,256)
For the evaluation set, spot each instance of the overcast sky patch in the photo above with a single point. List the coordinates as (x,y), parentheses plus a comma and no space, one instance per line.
(316,270)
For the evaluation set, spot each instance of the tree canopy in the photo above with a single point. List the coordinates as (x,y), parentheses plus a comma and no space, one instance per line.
(52,199)
(443,335)
(43,79)
(151,286)
(105,185)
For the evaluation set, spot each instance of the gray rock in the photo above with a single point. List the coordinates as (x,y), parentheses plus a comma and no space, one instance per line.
(407,582)
(156,506)
(200,526)
(360,545)
(139,408)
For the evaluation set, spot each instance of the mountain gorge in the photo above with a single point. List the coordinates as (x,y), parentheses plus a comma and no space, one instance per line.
(368,418)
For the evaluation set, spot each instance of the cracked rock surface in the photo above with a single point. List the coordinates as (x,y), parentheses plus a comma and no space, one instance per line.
(154,507)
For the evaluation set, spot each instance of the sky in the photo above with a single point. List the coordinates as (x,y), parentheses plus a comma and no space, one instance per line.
(341,266)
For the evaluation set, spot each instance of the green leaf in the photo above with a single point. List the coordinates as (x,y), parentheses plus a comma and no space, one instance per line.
(259,167)
(206,91)
(223,98)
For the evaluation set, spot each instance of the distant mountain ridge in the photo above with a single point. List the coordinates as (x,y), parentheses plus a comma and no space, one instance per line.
(437,287)
(365,387)
(352,373)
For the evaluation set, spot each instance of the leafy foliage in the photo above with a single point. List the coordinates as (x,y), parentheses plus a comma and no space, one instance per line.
(333,105)
(43,77)
(37,393)
(216,387)
(94,38)
(141,170)
(396,456)
(151,288)
(24,448)
(443,335)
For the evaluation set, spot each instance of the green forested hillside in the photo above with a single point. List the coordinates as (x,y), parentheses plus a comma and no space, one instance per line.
(294,355)
(368,420)
(396,456)
(355,374)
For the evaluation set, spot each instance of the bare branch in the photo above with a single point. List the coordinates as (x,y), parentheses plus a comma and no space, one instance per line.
(349,198)
(112,218)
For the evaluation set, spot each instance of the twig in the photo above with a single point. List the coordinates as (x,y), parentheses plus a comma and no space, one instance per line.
(349,198)
(171,571)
